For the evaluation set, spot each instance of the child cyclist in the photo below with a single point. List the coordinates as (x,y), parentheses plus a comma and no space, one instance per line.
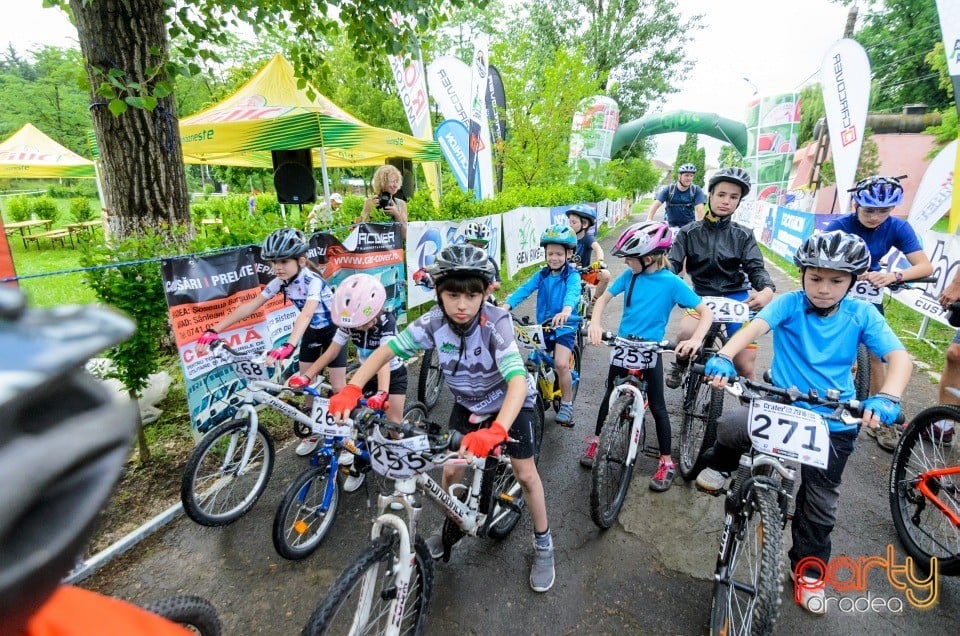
(722,259)
(558,294)
(581,218)
(816,333)
(296,278)
(484,370)
(650,292)
(358,312)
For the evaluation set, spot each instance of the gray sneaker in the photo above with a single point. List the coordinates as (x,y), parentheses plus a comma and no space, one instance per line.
(435,545)
(542,573)
(674,376)
(710,480)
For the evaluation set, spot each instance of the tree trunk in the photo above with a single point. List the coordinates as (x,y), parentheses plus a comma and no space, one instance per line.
(144,183)
(142,444)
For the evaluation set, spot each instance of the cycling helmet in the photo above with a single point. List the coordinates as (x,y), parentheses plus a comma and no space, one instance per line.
(687,167)
(478,232)
(642,239)
(834,250)
(461,260)
(284,243)
(559,234)
(735,175)
(878,192)
(64,440)
(358,299)
(585,212)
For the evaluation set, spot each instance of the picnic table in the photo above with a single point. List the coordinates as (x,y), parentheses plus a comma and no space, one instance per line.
(26,228)
(85,226)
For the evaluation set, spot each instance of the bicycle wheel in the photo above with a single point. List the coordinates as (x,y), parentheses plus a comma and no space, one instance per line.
(861,379)
(190,611)
(611,473)
(702,405)
(300,524)
(924,530)
(502,498)
(431,379)
(359,600)
(415,413)
(747,583)
(212,491)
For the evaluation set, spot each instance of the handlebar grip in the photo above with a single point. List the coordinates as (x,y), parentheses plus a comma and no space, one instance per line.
(456,438)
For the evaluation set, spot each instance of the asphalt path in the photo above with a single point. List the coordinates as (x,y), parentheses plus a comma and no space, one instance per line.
(651,573)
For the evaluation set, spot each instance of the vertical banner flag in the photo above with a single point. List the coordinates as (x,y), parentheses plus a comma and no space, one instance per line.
(932,200)
(479,177)
(591,137)
(845,80)
(7,270)
(949,12)
(454,143)
(497,119)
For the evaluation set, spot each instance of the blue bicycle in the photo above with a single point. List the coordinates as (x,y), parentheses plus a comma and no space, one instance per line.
(541,365)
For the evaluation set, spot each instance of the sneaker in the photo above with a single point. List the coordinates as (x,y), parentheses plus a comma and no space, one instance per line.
(435,545)
(711,480)
(590,452)
(353,482)
(940,432)
(542,574)
(809,594)
(674,377)
(888,436)
(307,446)
(663,478)
(345,458)
(565,414)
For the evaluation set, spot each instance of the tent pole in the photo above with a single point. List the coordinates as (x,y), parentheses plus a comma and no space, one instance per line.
(323,175)
(104,214)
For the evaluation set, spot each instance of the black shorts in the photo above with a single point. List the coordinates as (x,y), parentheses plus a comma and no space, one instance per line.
(316,341)
(398,383)
(522,430)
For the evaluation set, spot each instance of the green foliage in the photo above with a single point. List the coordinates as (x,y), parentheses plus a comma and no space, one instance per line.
(949,127)
(868,165)
(80,209)
(811,110)
(688,152)
(18,208)
(730,157)
(44,207)
(82,188)
(632,176)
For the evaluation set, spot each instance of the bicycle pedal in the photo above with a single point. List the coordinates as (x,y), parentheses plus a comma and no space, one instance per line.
(719,492)
(651,451)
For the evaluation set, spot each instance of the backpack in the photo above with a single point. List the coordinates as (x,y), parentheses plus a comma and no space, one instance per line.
(673,191)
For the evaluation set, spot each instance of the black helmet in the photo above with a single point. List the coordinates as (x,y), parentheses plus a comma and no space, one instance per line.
(735,175)
(462,260)
(834,250)
(59,458)
(284,243)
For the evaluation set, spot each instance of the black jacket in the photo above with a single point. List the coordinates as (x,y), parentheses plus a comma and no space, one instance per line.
(721,257)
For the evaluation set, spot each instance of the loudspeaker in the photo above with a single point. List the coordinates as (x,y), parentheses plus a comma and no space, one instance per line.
(293,176)
(405,166)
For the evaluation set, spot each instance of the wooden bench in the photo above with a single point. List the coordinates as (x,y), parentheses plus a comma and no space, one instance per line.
(53,236)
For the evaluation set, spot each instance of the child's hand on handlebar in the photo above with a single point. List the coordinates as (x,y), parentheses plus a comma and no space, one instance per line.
(207,338)
(344,402)
(687,348)
(595,332)
(282,352)
(759,300)
(880,409)
(720,368)
(480,443)
(298,381)
(560,319)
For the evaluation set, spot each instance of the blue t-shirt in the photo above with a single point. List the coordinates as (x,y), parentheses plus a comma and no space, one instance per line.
(680,204)
(585,248)
(811,351)
(648,301)
(894,232)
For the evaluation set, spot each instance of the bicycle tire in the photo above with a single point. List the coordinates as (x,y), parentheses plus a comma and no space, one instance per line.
(299,527)
(923,530)
(861,378)
(189,611)
(344,594)
(431,379)
(611,473)
(415,412)
(503,497)
(702,405)
(748,579)
(208,464)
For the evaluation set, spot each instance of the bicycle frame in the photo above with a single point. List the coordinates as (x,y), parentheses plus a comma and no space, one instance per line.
(632,385)
(924,486)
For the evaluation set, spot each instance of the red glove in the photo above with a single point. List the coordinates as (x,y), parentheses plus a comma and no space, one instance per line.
(298,381)
(207,337)
(282,352)
(378,401)
(481,442)
(345,401)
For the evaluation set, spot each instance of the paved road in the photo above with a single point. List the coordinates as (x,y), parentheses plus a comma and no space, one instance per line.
(649,574)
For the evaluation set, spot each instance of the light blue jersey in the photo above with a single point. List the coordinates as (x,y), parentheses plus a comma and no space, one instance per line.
(648,301)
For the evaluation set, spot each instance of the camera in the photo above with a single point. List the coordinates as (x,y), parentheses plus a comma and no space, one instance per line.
(383,200)
(953,314)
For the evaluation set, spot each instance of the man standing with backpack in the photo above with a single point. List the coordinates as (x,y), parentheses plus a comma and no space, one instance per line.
(683,200)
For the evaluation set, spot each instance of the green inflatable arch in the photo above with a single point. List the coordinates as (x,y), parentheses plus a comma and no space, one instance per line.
(711,124)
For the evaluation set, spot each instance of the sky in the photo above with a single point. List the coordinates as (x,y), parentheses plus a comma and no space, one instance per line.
(777,45)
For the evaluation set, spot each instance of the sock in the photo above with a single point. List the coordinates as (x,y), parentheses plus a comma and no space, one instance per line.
(542,539)
(570,404)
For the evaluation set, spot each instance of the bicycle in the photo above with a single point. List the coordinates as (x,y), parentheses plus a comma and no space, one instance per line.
(624,435)
(386,589)
(541,366)
(431,380)
(190,611)
(924,488)
(229,469)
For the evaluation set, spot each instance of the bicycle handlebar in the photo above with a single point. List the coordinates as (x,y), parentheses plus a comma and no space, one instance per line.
(441,439)
(909,283)
(609,338)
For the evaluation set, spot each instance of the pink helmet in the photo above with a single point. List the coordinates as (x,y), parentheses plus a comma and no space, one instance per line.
(641,239)
(358,300)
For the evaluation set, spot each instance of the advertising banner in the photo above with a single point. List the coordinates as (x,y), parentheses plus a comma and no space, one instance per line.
(944,253)
(790,228)
(591,137)
(521,237)
(454,143)
(370,248)
(772,128)
(497,119)
(932,200)
(845,80)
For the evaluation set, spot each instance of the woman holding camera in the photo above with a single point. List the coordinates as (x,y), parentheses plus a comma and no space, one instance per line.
(386,183)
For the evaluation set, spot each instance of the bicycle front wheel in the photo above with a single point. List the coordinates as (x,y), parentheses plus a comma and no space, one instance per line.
(861,378)
(212,490)
(503,497)
(194,612)
(431,379)
(611,472)
(702,405)
(747,584)
(301,524)
(359,600)
(924,530)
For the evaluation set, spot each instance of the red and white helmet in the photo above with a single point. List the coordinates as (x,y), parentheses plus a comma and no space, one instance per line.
(358,300)
(641,239)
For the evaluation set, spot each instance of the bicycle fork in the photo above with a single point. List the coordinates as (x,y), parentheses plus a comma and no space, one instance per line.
(245,410)
(637,410)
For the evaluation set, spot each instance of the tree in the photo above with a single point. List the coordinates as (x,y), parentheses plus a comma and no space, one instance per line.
(811,111)
(688,152)
(635,175)
(949,126)
(730,157)
(868,164)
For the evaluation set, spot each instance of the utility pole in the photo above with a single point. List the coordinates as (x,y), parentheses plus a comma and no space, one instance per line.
(851,22)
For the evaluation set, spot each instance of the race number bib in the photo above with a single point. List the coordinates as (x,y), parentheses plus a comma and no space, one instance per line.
(529,336)
(789,432)
(323,423)
(727,309)
(398,458)
(633,354)
(864,290)
(252,371)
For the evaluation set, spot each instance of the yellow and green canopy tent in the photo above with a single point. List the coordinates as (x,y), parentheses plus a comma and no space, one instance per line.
(270,112)
(30,154)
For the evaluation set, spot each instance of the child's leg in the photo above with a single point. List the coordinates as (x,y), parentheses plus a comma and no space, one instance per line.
(528,477)
(658,408)
(563,357)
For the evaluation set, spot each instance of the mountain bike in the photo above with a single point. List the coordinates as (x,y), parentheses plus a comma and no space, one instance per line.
(541,366)
(924,488)
(386,589)
(431,380)
(623,436)
(229,469)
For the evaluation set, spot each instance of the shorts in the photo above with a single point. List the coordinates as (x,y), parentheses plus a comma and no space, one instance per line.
(398,383)
(732,327)
(522,430)
(956,337)
(316,341)
(591,278)
(564,336)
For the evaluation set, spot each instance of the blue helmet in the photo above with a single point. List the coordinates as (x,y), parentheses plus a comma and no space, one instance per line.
(584,211)
(559,234)
(878,192)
